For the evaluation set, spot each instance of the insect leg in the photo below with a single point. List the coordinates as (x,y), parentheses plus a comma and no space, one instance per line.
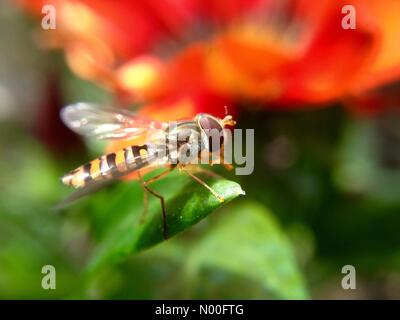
(159,196)
(219,197)
(228,166)
(145,199)
(209,173)
(164,214)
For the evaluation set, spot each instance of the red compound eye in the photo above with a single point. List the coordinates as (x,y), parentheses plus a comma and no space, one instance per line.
(214,132)
(208,123)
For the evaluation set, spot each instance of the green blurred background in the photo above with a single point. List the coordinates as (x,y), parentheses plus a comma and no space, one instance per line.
(325,193)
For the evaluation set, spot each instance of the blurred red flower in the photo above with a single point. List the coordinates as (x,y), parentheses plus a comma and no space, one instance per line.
(181,57)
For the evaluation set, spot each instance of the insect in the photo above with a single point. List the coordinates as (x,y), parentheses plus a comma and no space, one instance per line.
(168,145)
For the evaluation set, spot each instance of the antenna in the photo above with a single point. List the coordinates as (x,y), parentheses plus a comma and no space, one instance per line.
(228,120)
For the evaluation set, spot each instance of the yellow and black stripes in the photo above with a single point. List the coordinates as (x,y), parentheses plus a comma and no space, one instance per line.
(87,176)
(111,165)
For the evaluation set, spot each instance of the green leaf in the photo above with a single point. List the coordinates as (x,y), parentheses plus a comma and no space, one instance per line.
(248,243)
(123,234)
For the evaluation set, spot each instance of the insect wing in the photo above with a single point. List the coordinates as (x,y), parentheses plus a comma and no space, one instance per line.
(91,120)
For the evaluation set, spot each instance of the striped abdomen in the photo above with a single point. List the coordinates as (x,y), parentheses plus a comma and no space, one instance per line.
(108,166)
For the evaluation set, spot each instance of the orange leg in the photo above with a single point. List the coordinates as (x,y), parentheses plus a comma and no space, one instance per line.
(198,180)
(208,172)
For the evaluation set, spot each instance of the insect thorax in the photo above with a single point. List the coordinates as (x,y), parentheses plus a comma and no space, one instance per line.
(179,144)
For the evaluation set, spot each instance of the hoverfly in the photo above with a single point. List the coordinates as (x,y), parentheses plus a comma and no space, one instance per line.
(164,147)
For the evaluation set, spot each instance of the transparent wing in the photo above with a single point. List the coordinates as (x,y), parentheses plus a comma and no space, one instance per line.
(94,121)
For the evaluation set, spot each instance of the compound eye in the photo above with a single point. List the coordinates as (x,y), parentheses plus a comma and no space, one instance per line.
(208,123)
(214,132)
